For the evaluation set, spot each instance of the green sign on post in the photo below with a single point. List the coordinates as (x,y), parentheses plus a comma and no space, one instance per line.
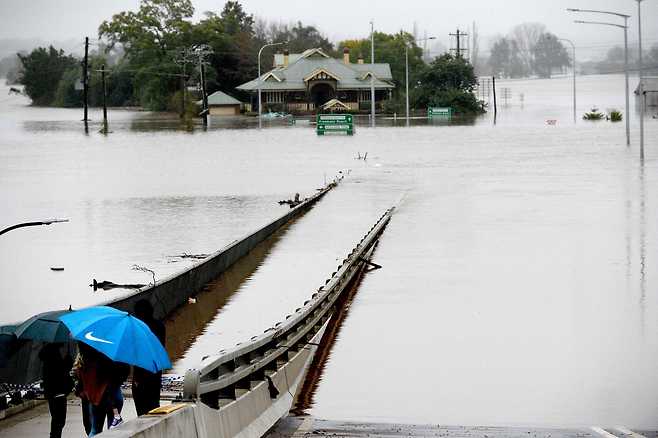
(334,123)
(439,112)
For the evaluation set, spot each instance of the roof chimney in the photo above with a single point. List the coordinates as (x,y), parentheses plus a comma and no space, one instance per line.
(286,57)
(360,60)
(346,55)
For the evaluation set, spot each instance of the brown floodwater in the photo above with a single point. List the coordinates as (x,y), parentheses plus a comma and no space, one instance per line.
(519,271)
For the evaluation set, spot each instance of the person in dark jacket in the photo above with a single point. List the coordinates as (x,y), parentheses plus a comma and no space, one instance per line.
(146,385)
(57,384)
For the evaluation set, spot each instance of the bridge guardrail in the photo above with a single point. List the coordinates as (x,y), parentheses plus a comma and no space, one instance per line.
(218,379)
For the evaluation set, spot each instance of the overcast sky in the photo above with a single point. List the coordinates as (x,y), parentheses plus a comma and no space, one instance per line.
(340,19)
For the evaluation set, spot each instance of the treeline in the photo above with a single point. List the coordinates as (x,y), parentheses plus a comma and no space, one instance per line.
(614,61)
(528,49)
(147,53)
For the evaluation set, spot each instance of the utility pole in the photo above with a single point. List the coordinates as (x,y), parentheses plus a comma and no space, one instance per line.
(640,73)
(204,111)
(104,129)
(202,51)
(372,73)
(493,81)
(459,50)
(183,59)
(85,82)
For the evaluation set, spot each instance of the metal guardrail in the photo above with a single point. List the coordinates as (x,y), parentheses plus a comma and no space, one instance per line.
(219,379)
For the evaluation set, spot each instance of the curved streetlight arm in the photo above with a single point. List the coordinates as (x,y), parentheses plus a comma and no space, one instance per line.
(598,12)
(32,224)
(601,23)
(260,81)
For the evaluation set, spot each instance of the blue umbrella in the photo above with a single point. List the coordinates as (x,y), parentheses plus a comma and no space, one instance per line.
(119,336)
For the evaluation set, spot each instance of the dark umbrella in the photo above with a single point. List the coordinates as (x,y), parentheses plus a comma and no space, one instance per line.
(44,327)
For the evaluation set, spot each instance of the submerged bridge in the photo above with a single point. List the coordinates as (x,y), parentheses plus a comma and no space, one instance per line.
(244,391)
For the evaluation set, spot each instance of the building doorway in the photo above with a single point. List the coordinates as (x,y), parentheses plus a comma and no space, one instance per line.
(321,93)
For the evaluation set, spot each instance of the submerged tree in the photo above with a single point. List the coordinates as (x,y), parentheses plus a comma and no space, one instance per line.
(150,38)
(448,81)
(42,70)
(549,54)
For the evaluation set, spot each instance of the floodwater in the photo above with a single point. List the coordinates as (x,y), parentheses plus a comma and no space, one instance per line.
(519,271)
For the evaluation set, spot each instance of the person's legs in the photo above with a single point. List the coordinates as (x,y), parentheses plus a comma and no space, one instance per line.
(57,408)
(114,406)
(97,418)
(86,415)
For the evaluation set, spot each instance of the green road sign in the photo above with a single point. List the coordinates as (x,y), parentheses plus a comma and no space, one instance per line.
(439,112)
(334,123)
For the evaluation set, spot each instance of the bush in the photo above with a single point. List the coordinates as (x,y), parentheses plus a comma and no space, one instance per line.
(594,114)
(615,116)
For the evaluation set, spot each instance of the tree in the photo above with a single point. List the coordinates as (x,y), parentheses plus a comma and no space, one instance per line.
(505,60)
(150,38)
(526,36)
(299,36)
(448,81)
(389,48)
(231,38)
(549,54)
(42,71)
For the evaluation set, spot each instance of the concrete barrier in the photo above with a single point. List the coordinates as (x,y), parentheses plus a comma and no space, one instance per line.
(173,291)
(243,392)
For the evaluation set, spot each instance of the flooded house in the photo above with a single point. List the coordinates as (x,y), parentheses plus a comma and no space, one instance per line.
(221,104)
(650,85)
(302,82)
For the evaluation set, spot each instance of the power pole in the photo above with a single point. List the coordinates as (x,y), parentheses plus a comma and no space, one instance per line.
(204,96)
(459,50)
(104,129)
(85,82)
(493,82)
(184,57)
(202,51)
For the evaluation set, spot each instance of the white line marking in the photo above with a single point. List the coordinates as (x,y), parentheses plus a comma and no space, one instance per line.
(602,432)
(90,336)
(627,431)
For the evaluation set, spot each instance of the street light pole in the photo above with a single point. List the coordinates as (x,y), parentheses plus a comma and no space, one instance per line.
(641,88)
(260,81)
(406,64)
(625,27)
(573,47)
(372,73)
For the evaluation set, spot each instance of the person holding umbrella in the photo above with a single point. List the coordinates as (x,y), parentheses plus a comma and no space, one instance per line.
(57,384)
(146,385)
(115,335)
(56,381)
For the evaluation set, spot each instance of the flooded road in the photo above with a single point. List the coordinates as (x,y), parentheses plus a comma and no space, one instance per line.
(520,269)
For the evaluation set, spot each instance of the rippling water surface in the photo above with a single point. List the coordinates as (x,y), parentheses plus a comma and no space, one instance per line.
(520,268)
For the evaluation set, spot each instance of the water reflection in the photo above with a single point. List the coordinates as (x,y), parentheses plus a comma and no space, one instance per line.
(190,321)
(643,248)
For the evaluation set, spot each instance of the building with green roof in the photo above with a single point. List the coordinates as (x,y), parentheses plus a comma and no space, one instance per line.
(221,104)
(302,82)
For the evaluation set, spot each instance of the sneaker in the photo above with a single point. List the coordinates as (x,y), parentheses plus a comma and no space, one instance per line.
(115,422)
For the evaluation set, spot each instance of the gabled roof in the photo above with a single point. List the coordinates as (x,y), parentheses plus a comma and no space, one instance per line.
(271,74)
(320,73)
(335,103)
(649,83)
(221,98)
(348,76)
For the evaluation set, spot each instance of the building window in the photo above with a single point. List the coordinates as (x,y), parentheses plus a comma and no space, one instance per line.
(276,96)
